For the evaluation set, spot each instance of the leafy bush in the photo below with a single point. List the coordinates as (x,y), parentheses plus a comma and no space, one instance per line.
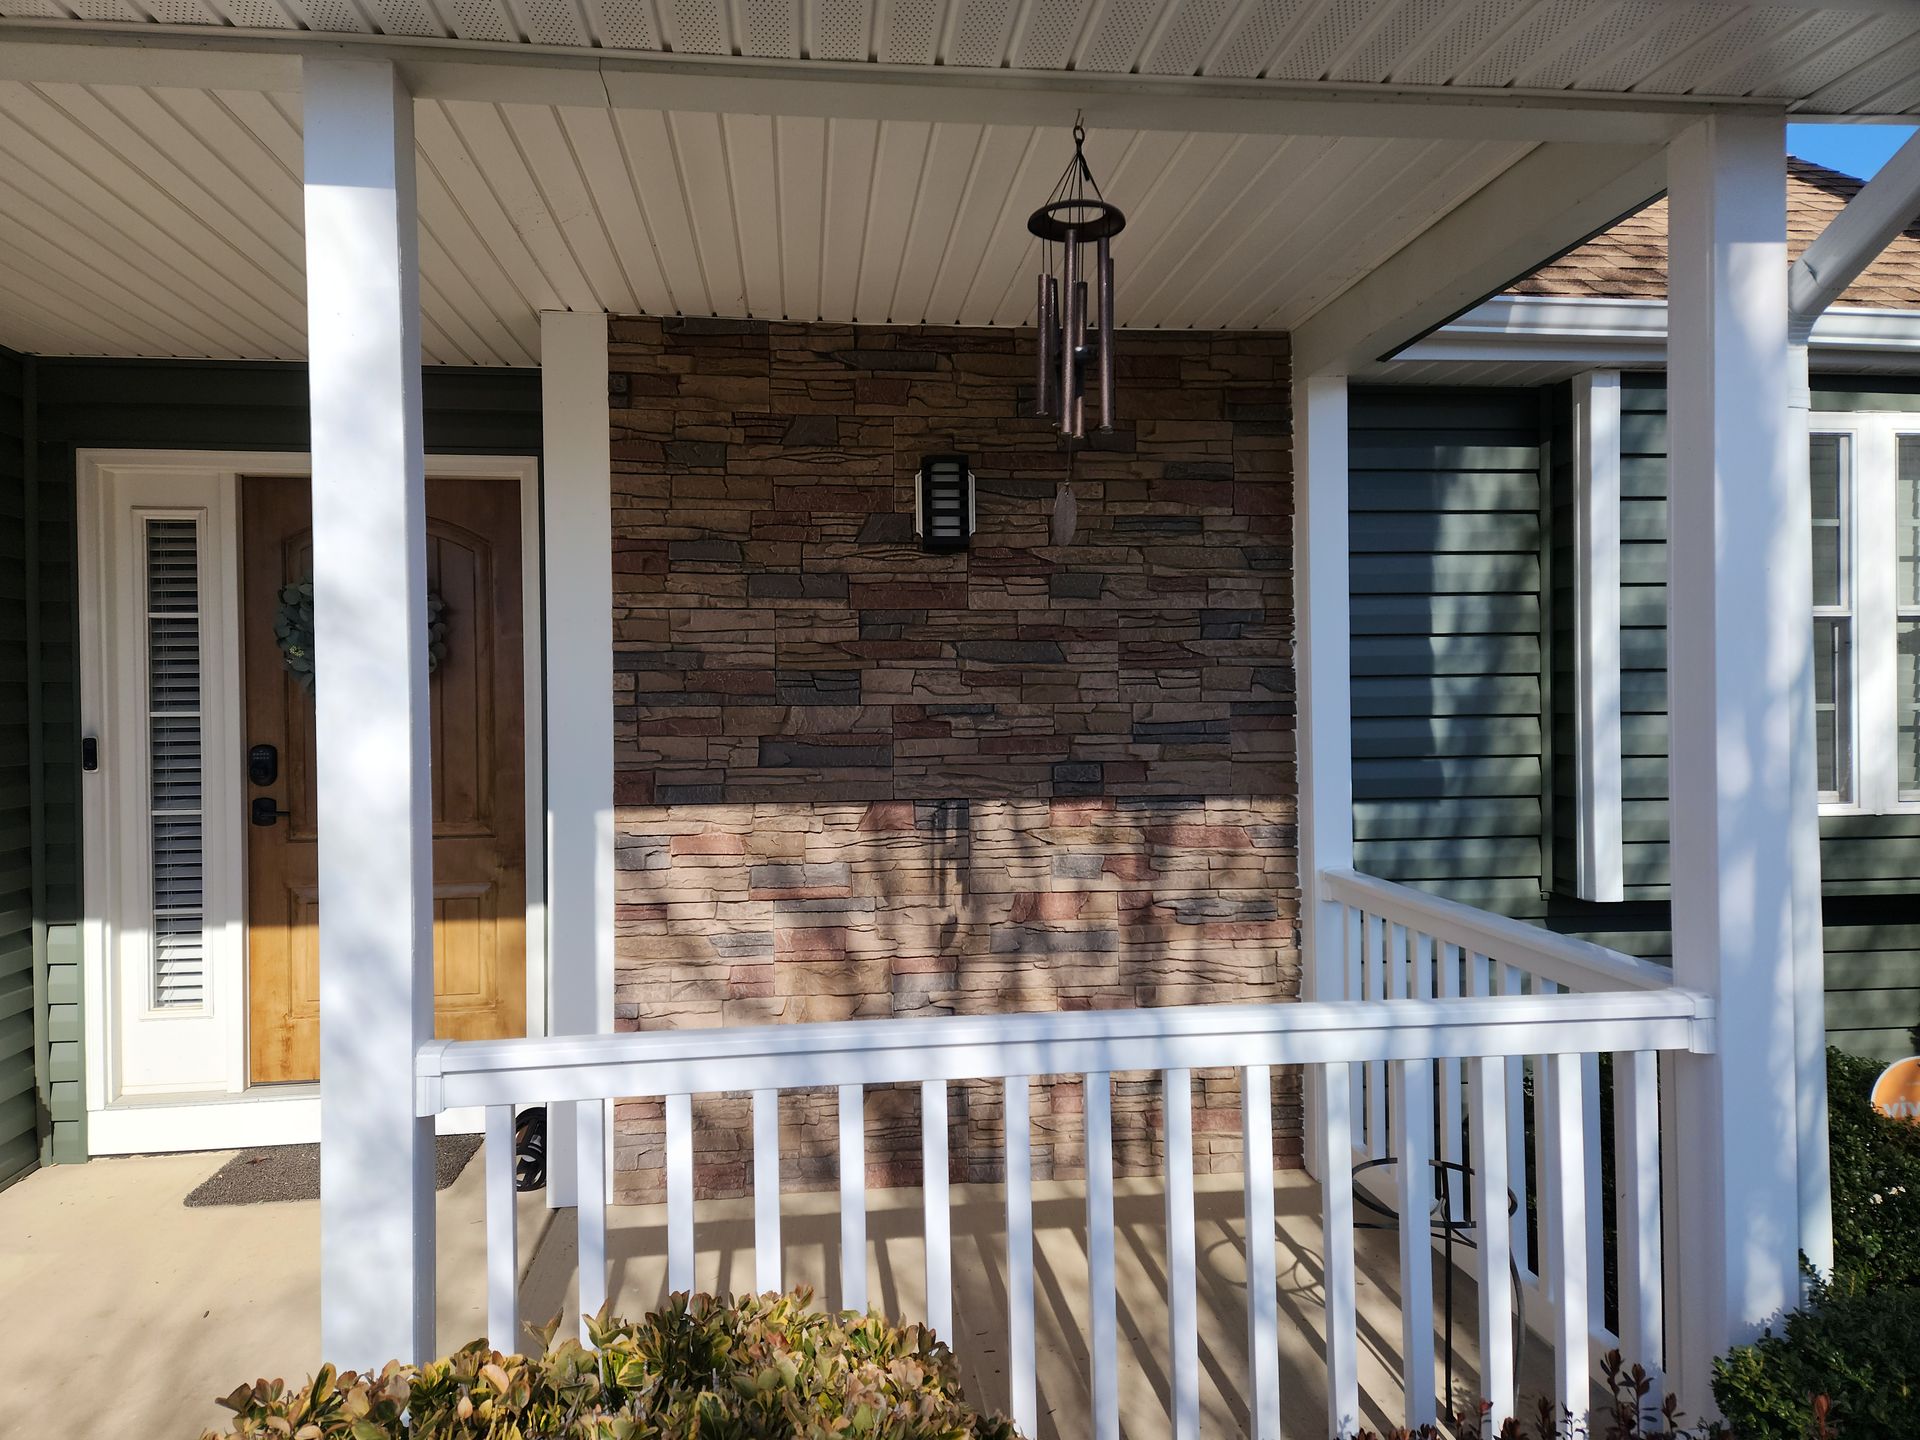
(1854,1347)
(750,1369)
(1876,1183)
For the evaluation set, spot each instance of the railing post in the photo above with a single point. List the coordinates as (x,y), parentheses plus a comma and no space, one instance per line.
(371,752)
(1321,657)
(1733,628)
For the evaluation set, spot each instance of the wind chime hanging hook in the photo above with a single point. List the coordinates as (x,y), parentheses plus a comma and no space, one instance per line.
(1075,301)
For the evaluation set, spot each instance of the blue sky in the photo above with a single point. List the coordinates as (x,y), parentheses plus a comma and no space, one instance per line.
(1851,149)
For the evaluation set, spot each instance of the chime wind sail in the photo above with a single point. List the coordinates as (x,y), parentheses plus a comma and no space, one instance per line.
(1075,306)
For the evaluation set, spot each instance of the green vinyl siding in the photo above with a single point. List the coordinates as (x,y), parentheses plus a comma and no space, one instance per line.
(21,1035)
(1446,580)
(183,405)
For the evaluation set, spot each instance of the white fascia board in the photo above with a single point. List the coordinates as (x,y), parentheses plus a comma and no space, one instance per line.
(443,68)
(1603,332)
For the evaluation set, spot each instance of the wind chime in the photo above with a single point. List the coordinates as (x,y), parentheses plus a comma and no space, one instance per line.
(1075,310)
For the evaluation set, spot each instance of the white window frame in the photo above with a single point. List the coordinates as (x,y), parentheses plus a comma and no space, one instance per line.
(1600,853)
(1875,438)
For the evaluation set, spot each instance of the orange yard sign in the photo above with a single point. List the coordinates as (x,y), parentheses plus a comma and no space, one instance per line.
(1897,1091)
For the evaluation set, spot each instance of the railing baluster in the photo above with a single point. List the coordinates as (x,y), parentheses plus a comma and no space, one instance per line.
(1021,1388)
(1452,1104)
(1636,1170)
(1336,1243)
(938,1218)
(1596,1222)
(1399,941)
(1378,1142)
(1494,1245)
(1102,1303)
(1183,1333)
(1413,1091)
(503,1235)
(1567,1239)
(853,1198)
(1357,990)
(679,1194)
(590,1214)
(767,1259)
(1263,1309)
(1510,980)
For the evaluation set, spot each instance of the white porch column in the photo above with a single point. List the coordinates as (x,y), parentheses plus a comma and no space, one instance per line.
(1734,547)
(369,573)
(577,510)
(1323,688)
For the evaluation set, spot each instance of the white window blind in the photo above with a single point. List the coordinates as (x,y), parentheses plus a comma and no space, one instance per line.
(172,554)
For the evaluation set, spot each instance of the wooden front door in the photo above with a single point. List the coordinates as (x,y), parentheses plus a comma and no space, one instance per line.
(479,770)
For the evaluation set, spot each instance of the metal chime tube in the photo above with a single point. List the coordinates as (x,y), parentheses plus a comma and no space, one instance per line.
(1047,312)
(1103,281)
(1071,336)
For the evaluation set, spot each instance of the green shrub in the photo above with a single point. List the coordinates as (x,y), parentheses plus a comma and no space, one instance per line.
(750,1369)
(1876,1183)
(1854,1346)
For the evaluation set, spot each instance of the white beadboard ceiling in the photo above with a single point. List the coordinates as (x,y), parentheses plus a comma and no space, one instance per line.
(140,221)
(137,219)
(1840,57)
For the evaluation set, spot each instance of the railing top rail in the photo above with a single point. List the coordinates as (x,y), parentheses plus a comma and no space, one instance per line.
(455,1073)
(1578,964)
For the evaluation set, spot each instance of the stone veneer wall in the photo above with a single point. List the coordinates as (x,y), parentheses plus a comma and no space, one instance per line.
(858,780)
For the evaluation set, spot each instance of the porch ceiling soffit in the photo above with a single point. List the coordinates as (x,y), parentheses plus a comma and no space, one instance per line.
(1552,199)
(155,221)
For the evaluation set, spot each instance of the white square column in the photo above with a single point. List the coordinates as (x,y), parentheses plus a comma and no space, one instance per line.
(577,519)
(370,637)
(1322,661)
(1734,552)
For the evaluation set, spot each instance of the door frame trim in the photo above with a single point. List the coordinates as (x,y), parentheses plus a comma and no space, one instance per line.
(232,1114)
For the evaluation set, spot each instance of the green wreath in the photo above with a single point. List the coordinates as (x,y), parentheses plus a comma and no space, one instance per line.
(293,629)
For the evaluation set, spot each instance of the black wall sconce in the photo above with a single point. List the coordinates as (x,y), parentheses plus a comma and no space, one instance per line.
(943,503)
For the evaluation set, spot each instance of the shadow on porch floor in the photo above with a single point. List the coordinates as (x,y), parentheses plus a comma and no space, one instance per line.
(124,1309)
(810,1237)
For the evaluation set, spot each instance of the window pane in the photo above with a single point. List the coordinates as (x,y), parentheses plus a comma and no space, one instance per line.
(1828,462)
(1906,699)
(1832,708)
(1906,523)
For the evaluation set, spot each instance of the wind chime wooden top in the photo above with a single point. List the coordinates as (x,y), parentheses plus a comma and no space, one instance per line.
(1075,217)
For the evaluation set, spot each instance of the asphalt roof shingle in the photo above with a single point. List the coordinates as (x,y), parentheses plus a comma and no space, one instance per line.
(1629,260)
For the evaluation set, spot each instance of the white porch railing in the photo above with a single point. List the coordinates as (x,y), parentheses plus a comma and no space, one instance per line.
(1400,943)
(1391,1040)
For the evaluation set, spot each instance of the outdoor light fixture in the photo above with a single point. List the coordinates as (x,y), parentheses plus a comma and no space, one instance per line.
(1075,217)
(943,503)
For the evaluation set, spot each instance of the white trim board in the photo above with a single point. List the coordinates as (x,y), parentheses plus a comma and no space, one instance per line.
(1615,332)
(219,1107)
(1596,620)
(266,1115)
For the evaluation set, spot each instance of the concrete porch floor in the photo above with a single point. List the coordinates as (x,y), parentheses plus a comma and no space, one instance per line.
(101,1265)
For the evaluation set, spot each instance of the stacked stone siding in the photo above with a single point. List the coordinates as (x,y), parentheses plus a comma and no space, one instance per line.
(858,780)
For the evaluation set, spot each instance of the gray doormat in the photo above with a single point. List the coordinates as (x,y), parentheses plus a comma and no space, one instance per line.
(292,1172)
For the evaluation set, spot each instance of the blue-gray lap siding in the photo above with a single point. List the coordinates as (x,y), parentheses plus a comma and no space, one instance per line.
(1449,687)
(1476,802)
(22,1038)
